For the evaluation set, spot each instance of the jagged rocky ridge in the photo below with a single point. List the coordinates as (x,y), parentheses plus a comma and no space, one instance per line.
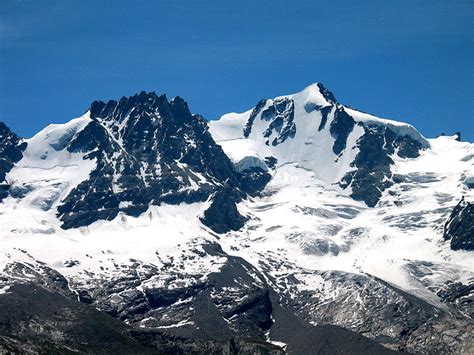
(110,210)
(148,150)
(11,148)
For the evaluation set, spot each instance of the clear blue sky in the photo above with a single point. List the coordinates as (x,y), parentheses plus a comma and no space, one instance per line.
(409,60)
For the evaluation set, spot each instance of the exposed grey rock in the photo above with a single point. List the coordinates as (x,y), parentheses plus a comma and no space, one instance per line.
(11,151)
(149,151)
(459,228)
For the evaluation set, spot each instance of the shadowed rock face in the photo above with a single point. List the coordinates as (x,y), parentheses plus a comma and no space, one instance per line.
(373,162)
(11,151)
(280,116)
(37,320)
(223,215)
(149,151)
(459,228)
(340,128)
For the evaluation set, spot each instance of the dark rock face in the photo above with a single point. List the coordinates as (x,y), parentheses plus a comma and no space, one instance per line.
(373,162)
(460,226)
(341,127)
(223,216)
(460,295)
(458,136)
(373,165)
(253,114)
(328,95)
(321,339)
(175,344)
(149,151)
(37,320)
(11,151)
(324,117)
(254,179)
(280,116)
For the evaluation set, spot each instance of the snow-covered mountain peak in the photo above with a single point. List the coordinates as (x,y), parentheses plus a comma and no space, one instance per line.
(311,129)
(314,94)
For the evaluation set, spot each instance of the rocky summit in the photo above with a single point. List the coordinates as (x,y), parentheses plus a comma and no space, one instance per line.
(301,226)
(148,151)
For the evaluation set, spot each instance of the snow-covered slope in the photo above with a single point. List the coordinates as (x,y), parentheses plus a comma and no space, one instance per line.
(344,217)
(48,172)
